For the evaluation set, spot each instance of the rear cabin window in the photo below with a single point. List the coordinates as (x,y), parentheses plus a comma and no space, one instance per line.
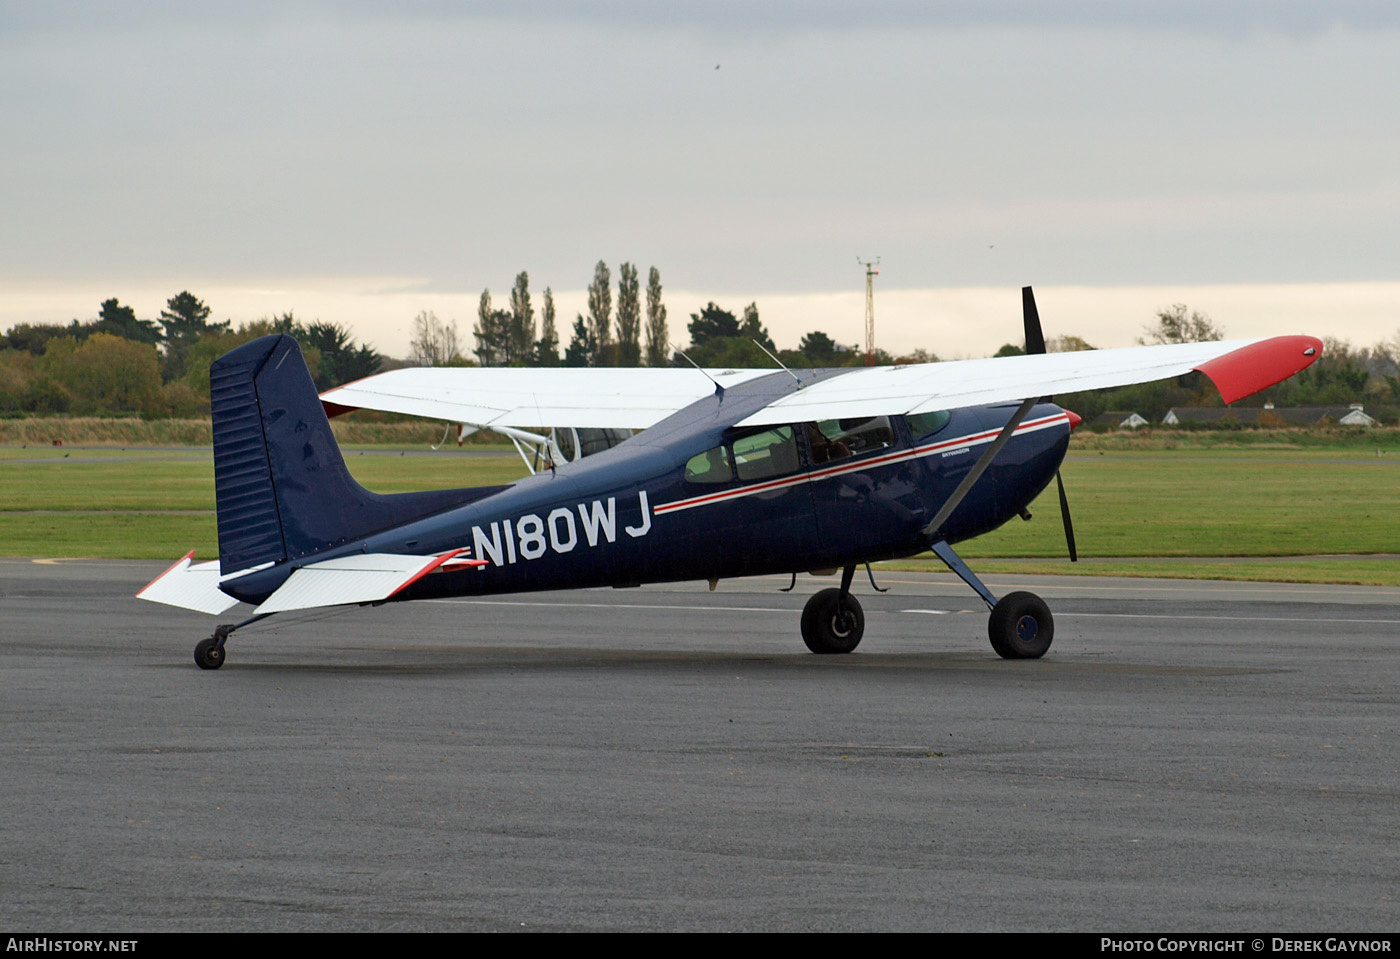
(770,453)
(596,440)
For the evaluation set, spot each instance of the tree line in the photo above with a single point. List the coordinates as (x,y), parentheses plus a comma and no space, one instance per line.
(118,363)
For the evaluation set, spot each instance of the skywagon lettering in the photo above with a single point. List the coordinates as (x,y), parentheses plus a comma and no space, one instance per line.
(530,536)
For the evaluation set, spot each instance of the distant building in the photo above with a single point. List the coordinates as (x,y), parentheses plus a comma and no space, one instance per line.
(1118,420)
(1269,415)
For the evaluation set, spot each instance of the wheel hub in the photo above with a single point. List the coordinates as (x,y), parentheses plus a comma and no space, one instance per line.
(1026,628)
(843,621)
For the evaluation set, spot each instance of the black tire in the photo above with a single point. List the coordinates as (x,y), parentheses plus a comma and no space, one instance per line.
(208,654)
(830,625)
(1021,626)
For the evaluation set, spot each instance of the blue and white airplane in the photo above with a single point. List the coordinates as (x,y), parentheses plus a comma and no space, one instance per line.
(733,473)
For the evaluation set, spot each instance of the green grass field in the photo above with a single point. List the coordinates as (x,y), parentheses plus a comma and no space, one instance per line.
(1218,503)
(1316,514)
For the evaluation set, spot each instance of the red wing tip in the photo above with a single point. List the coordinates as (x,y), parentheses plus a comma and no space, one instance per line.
(1258,366)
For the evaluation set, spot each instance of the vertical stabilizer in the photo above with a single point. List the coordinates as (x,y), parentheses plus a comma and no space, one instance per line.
(280,482)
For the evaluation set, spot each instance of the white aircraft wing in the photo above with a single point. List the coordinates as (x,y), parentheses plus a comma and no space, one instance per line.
(1237,367)
(638,398)
(534,398)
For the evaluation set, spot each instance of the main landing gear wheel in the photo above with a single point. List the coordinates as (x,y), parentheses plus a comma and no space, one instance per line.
(208,654)
(831,624)
(1021,626)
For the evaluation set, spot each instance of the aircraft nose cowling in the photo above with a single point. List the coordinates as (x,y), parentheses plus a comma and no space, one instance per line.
(1074,419)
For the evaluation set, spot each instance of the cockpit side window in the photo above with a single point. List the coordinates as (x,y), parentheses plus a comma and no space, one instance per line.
(770,453)
(833,440)
(926,424)
(711,466)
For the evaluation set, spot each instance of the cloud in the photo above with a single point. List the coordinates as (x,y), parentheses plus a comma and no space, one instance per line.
(969,144)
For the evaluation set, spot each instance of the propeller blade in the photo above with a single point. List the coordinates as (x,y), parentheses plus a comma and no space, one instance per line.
(1035,343)
(1064,514)
(1030,317)
(1035,339)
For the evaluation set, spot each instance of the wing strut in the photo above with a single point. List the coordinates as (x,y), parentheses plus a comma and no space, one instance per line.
(978,468)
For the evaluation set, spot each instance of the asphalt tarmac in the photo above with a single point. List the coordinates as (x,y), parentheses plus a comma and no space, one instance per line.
(1188,757)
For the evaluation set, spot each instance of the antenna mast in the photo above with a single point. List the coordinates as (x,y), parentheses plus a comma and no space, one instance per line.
(872,269)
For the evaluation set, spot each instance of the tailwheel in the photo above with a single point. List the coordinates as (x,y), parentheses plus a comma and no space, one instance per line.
(1021,626)
(831,623)
(209,653)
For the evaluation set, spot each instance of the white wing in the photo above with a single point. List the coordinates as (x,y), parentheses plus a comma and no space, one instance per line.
(1237,367)
(638,398)
(535,398)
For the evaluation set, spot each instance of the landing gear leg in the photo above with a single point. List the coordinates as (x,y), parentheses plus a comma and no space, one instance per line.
(832,621)
(1020,626)
(209,653)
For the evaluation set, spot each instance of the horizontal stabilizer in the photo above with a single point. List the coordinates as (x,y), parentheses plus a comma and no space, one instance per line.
(359,578)
(189,585)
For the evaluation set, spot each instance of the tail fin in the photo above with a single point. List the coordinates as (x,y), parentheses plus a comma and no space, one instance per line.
(281,485)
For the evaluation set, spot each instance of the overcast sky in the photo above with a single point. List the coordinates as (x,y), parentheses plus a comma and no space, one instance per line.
(358,162)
